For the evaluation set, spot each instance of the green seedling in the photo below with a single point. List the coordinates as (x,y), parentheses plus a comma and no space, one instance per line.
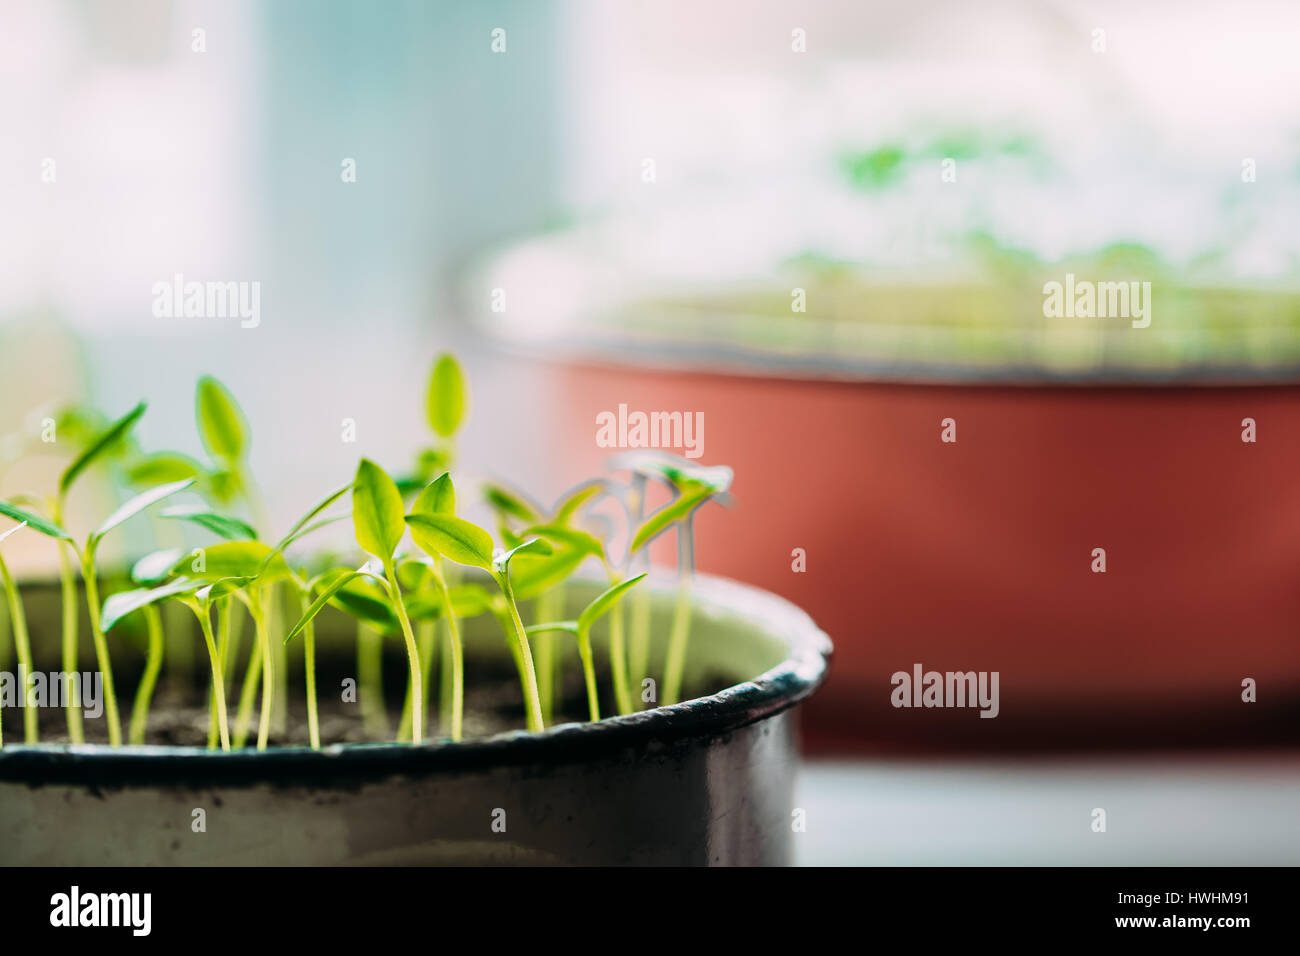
(198,597)
(104,444)
(693,486)
(245,571)
(439,500)
(22,644)
(509,507)
(581,629)
(442,535)
(417,594)
(447,401)
(224,432)
(585,544)
(86,556)
(378,520)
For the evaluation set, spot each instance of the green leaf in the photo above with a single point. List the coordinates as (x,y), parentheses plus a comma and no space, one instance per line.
(414,573)
(675,510)
(377,512)
(575,499)
(235,559)
(570,627)
(225,526)
(437,499)
(222,426)
(105,442)
(137,504)
(163,466)
(571,537)
(123,603)
(681,473)
(154,567)
(328,592)
(606,600)
(34,521)
(364,599)
(507,503)
(448,395)
(532,547)
(532,575)
(467,600)
(452,538)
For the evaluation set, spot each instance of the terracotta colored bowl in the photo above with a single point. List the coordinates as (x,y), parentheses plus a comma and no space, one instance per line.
(978,554)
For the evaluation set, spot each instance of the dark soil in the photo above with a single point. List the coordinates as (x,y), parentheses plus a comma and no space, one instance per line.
(178,714)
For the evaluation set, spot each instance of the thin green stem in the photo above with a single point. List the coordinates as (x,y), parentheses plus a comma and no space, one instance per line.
(524,656)
(639,662)
(446,679)
(370,681)
(618,657)
(71,617)
(309,665)
(22,649)
(224,617)
(268,671)
(588,672)
(675,665)
(152,665)
(457,661)
(426,634)
(412,655)
(548,609)
(218,682)
(101,647)
(252,674)
(280,651)
(676,662)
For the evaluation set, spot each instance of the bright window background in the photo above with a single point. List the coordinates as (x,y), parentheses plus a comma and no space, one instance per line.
(225,165)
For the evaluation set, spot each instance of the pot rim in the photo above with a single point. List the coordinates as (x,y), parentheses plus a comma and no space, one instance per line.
(777,689)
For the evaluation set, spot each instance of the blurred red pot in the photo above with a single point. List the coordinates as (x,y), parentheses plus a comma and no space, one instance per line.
(979,554)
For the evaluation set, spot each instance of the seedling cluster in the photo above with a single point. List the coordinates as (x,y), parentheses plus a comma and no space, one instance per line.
(422,569)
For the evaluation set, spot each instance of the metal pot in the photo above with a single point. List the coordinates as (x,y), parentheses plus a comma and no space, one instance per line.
(707,781)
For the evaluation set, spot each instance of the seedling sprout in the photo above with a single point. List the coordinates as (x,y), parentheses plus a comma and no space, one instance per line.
(395,589)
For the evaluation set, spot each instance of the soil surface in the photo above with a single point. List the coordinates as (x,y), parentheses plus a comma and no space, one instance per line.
(178,714)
